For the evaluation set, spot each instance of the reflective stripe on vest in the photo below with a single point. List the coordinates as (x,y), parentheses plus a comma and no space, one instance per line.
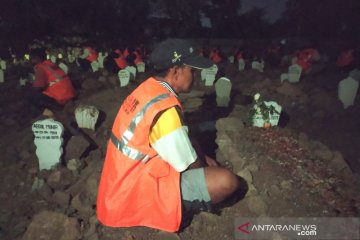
(121,145)
(58,77)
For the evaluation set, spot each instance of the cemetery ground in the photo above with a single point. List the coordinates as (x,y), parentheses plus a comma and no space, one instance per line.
(296,169)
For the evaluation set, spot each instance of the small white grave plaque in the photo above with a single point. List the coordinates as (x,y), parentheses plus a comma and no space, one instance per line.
(48,141)
(23,81)
(210,74)
(86,116)
(71,57)
(53,59)
(203,75)
(95,66)
(347,91)
(241,64)
(259,121)
(64,67)
(3,65)
(231,59)
(2,76)
(257,66)
(223,88)
(101,58)
(124,77)
(294,73)
(141,67)
(132,71)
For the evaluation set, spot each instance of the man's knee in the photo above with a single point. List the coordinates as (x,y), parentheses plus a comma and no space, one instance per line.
(221,183)
(229,181)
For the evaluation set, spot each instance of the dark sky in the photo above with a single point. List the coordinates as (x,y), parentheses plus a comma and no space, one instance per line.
(274,8)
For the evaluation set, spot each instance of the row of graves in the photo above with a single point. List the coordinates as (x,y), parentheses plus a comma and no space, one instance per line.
(347,88)
(264,114)
(67,58)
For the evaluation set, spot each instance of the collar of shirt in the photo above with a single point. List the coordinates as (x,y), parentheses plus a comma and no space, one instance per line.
(167,86)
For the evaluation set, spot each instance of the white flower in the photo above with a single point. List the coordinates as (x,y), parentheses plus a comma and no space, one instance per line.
(256,97)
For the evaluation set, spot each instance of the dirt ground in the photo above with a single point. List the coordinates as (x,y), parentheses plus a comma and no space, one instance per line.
(286,167)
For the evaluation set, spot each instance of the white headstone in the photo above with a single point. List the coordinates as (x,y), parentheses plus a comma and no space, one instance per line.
(347,91)
(86,116)
(294,73)
(203,75)
(71,56)
(3,65)
(53,59)
(141,67)
(257,66)
(231,59)
(210,74)
(223,89)
(2,76)
(48,141)
(258,120)
(23,81)
(132,71)
(124,77)
(101,58)
(64,67)
(95,66)
(241,63)
(355,74)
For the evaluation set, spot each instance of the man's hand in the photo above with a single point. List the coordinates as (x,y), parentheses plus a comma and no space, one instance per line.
(211,162)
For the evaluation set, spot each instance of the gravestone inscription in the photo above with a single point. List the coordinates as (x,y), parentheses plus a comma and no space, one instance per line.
(48,141)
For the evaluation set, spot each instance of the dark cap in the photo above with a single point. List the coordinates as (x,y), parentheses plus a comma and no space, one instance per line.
(177,52)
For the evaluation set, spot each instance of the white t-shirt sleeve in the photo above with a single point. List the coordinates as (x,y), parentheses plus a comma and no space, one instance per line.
(171,141)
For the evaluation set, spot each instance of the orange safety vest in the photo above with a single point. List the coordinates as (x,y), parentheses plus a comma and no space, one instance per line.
(137,187)
(93,55)
(306,57)
(138,58)
(345,58)
(121,62)
(126,52)
(239,55)
(215,56)
(59,84)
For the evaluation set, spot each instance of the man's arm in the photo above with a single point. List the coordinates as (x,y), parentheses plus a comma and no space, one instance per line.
(169,137)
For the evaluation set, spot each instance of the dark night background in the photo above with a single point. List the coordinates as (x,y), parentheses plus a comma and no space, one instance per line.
(113,20)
